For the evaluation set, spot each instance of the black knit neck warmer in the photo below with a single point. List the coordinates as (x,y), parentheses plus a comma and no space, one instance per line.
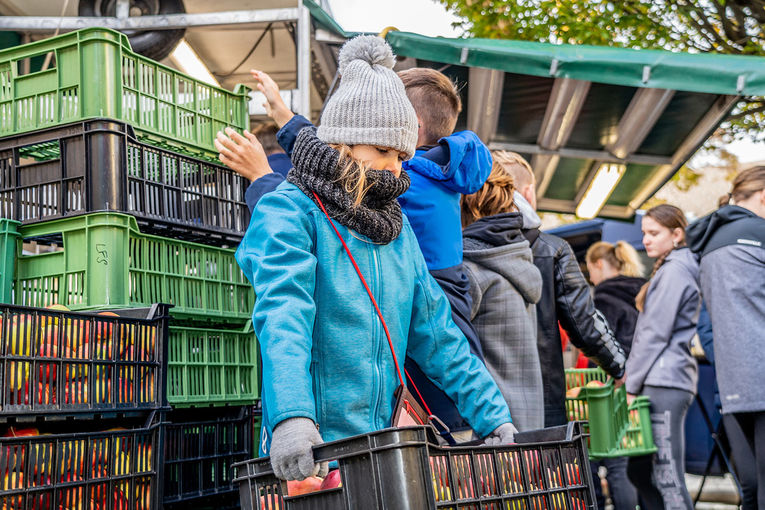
(317,169)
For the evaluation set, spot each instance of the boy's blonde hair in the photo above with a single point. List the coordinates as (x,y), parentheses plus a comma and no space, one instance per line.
(494,197)
(435,99)
(517,166)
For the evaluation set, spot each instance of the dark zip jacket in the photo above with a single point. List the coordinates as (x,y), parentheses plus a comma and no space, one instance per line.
(615,298)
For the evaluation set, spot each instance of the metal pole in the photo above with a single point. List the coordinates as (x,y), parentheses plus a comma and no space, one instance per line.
(303,61)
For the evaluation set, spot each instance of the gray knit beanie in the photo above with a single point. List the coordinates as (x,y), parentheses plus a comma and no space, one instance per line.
(370,106)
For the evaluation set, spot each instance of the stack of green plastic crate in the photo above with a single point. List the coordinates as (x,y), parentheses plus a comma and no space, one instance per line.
(102,260)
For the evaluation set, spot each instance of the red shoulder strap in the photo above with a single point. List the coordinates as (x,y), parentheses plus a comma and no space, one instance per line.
(374,302)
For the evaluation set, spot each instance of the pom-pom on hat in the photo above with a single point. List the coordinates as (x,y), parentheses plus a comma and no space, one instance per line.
(370,106)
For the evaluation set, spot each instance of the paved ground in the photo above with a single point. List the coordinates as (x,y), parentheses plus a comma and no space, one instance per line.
(719,492)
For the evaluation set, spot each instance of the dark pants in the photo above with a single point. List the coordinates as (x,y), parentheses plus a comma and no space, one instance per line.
(660,478)
(742,456)
(753,427)
(623,493)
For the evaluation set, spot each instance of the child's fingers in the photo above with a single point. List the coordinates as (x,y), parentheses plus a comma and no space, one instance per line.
(252,138)
(224,142)
(236,137)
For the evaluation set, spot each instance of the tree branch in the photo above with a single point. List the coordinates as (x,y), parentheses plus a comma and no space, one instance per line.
(743,114)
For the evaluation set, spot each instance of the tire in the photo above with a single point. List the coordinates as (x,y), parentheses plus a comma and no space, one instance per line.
(154,44)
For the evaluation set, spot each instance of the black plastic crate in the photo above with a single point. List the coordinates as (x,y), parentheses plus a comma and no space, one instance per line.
(225,501)
(113,469)
(199,454)
(404,469)
(57,364)
(99,165)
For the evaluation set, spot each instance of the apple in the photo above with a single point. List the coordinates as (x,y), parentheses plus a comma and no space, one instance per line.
(298,487)
(595,384)
(144,461)
(272,503)
(573,392)
(76,392)
(332,480)
(105,335)
(45,395)
(143,495)
(13,481)
(20,335)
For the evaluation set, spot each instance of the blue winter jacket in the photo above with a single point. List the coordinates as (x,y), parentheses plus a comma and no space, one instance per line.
(325,354)
(460,163)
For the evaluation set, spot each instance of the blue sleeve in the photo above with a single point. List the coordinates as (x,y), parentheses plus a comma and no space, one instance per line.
(260,187)
(442,352)
(704,329)
(277,256)
(469,162)
(287,135)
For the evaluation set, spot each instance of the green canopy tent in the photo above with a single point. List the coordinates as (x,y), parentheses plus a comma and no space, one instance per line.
(599,125)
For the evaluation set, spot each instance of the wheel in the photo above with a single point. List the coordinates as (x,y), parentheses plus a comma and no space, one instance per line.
(154,44)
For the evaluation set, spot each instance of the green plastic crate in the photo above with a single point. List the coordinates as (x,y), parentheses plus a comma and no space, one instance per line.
(94,73)
(638,440)
(9,235)
(604,407)
(106,262)
(208,366)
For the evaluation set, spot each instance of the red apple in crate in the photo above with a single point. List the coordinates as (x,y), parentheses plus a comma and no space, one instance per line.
(45,394)
(332,480)
(310,484)
(594,384)
(265,504)
(143,462)
(105,336)
(76,392)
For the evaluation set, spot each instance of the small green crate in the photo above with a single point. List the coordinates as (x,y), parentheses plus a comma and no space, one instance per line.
(95,73)
(102,260)
(604,407)
(638,439)
(9,235)
(212,367)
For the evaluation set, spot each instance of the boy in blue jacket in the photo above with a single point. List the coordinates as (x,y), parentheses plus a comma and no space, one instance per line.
(445,167)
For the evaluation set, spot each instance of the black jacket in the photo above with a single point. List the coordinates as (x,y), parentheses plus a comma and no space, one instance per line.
(566,298)
(615,298)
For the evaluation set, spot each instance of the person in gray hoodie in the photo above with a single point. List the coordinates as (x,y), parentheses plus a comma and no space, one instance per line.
(731,243)
(660,364)
(505,286)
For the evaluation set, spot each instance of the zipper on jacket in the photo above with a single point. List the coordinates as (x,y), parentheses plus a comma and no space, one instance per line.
(378,333)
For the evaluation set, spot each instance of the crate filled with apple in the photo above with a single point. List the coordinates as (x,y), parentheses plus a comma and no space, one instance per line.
(547,469)
(55,362)
(592,397)
(101,469)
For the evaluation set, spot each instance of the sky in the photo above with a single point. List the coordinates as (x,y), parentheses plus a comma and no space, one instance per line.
(429,17)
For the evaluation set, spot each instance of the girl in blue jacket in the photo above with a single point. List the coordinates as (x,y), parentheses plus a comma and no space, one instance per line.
(328,370)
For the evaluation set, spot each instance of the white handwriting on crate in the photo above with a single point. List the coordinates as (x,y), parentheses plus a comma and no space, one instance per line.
(103,254)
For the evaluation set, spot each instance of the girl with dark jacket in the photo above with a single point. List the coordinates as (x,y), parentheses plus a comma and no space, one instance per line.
(731,243)
(505,286)
(616,272)
(660,364)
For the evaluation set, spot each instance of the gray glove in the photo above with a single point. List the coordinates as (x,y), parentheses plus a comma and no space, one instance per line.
(291,454)
(504,434)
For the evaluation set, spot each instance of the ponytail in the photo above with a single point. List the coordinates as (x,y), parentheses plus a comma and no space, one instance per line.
(670,217)
(621,256)
(629,260)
